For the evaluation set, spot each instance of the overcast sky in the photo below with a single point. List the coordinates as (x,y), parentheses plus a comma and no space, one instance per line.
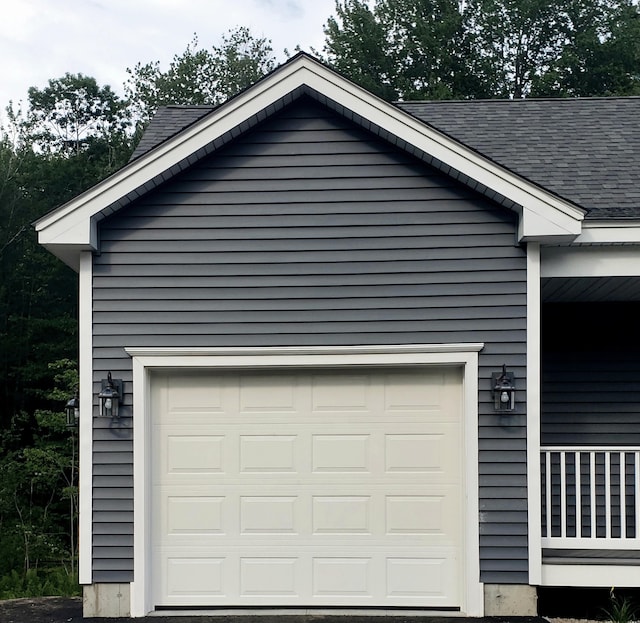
(44,39)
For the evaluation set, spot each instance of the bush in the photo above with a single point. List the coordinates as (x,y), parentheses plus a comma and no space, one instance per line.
(39,583)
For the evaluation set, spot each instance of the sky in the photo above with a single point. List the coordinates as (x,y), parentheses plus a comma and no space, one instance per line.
(44,39)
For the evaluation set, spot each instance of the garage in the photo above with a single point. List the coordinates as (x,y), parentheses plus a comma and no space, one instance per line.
(307,487)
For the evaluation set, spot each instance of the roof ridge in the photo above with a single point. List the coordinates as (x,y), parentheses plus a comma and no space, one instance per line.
(520,100)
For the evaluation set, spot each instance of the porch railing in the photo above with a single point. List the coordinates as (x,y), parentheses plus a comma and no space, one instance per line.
(590,497)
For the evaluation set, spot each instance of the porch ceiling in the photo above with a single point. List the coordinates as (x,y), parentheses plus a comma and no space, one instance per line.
(590,289)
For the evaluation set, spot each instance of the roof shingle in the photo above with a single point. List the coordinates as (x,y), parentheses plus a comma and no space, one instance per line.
(586,150)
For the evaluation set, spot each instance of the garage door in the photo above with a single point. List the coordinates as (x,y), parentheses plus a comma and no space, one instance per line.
(313,488)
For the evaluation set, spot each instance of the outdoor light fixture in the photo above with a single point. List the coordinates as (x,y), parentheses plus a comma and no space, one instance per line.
(110,396)
(504,390)
(72,411)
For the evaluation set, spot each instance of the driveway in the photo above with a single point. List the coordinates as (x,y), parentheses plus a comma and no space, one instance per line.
(69,610)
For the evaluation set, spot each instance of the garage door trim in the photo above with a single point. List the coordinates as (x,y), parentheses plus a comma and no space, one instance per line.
(146,360)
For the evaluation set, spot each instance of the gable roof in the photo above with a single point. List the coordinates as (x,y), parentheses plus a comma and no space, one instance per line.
(73,227)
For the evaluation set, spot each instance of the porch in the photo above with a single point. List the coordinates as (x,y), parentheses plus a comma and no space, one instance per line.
(590,435)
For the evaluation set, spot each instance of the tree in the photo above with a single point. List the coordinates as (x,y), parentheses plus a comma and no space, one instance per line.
(72,113)
(602,52)
(487,48)
(405,49)
(515,41)
(199,76)
(71,135)
(356,45)
(38,484)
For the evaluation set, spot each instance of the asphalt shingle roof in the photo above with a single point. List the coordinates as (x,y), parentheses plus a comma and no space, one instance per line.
(586,150)
(167,122)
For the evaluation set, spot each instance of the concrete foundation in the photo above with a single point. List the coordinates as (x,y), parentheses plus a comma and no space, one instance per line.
(503,600)
(106,600)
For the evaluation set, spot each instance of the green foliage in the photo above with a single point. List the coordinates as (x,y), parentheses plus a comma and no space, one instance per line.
(435,49)
(38,485)
(356,45)
(404,49)
(71,135)
(57,581)
(601,55)
(199,76)
(72,113)
(621,609)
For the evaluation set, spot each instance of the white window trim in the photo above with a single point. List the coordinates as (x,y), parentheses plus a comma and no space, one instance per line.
(145,360)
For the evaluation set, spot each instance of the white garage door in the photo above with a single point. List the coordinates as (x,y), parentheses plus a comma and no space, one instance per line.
(311,488)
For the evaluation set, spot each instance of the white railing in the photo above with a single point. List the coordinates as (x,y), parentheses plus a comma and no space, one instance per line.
(590,497)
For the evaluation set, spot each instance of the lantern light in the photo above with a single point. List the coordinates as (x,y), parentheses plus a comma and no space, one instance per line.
(110,396)
(504,390)
(72,411)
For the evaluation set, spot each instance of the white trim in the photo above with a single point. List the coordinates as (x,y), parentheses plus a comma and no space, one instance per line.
(145,360)
(590,575)
(609,232)
(85,363)
(534,490)
(288,351)
(610,543)
(140,595)
(543,214)
(593,261)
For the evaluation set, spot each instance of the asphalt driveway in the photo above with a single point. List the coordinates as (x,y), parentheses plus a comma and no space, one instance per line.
(69,610)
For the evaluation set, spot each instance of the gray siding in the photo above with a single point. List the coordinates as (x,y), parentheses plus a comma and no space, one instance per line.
(310,231)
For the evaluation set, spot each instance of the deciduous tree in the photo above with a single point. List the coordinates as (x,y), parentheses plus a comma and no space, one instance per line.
(199,76)
(416,49)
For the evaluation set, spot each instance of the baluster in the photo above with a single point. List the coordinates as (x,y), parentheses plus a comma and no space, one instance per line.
(592,493)
(563,494)
(576,462)
(607,494)
(636,493)
(623,494)
(547,465)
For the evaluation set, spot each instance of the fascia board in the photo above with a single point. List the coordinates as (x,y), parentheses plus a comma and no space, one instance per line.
(609,232)
(544,213)
(591,261)
(538,223)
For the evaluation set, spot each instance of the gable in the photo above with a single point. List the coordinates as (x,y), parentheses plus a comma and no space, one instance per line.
(305,230)
(72,227)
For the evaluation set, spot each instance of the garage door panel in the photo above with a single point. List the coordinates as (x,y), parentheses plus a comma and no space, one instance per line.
(325,489)
(415,449)
(337,577)
(318,515)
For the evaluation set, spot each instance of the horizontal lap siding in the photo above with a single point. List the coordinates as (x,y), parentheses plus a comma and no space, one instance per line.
(309,231)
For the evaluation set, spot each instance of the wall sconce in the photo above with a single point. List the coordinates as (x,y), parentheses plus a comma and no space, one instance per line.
(504,390)
(72,411)
(110,396)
